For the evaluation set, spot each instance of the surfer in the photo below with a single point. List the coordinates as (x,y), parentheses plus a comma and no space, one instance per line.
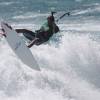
(43,34)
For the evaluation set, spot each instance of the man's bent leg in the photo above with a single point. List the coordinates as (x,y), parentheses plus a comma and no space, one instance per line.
(27,33)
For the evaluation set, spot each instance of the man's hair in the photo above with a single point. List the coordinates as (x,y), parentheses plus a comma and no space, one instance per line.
(51,18)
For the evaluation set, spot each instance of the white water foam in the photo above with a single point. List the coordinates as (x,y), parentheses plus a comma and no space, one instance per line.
(68,71)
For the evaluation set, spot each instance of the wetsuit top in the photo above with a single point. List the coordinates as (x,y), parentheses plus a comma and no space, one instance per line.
(44,27)
(46,30)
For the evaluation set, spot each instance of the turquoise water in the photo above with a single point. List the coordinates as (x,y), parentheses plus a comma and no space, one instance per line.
(12,8)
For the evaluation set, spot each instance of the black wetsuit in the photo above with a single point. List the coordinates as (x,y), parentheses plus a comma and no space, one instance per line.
(42,34)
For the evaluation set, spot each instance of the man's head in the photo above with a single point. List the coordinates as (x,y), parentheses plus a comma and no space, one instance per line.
(51,19)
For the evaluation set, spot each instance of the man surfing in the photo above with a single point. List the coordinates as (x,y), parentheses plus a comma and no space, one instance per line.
(43,34)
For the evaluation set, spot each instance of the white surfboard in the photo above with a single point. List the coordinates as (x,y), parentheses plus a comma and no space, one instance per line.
(19,47)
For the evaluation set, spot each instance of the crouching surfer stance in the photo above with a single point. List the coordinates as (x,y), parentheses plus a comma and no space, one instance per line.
(43,34)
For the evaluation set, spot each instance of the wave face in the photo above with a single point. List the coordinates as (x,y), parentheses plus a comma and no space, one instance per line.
(70,61)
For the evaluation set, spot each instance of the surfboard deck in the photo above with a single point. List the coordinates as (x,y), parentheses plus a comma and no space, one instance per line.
(19,47)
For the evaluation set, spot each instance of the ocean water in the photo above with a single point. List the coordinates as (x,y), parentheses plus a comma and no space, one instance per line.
(69,62)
